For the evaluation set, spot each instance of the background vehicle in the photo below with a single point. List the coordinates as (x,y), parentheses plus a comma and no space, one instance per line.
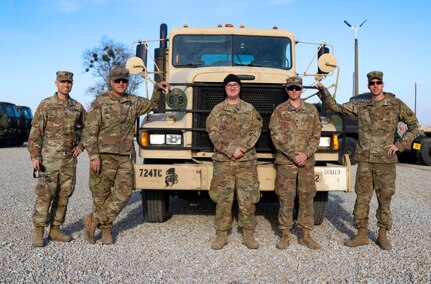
(173,141)
(421,148)
(26,117)
(9,120)
(350,131)
(422,145)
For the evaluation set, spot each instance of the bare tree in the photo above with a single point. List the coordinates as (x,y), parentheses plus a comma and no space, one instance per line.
(100,60)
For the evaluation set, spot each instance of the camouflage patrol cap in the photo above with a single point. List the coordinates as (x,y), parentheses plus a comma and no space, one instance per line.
(375,75)
(119,73)
(64,76)
(294,81)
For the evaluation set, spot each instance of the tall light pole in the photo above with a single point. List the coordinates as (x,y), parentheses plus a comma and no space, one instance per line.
(355,29)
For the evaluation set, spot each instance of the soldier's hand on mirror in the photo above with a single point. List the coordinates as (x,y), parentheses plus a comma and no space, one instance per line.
(163,85)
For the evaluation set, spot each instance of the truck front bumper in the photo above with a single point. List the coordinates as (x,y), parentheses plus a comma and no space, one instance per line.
(198,176)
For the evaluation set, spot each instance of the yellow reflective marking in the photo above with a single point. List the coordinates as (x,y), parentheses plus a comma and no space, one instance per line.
(416,146)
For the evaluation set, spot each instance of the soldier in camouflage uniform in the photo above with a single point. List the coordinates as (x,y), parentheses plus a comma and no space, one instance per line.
(54,143)
(234,127)
(108,139)
(295,131)
(378,118)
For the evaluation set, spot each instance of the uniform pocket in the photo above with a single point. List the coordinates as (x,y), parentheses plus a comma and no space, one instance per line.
(220,180)
(214,194)
(42,186)
(95,179)
(255,192)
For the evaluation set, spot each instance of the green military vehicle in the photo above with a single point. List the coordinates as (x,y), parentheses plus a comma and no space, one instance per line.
(173,141)
(9,121)
(24,125)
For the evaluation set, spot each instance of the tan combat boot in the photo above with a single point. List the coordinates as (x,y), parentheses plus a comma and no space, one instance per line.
(220,241)
(107,236)
(285,240)
(382,239)
(90,223)
(248,239)
(38,236)
(307,241)
(56,235)
(360,239)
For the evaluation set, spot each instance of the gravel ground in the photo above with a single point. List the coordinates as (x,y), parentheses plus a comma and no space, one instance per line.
(178,251)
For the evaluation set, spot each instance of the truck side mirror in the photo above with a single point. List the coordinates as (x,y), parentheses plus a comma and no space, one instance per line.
(321,51)
(135,65)
(327,63)
(141,52)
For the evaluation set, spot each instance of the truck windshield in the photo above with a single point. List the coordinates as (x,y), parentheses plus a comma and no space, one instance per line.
(28,114)
(12,111)
(231,50)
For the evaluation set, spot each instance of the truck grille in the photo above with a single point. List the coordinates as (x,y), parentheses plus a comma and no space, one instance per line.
(263,97)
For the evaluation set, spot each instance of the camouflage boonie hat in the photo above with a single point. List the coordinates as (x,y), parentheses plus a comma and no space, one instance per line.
(375,75)
(119,73)
(294,81)
(64,76)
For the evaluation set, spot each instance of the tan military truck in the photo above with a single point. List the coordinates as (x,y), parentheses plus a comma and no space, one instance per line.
(174,145)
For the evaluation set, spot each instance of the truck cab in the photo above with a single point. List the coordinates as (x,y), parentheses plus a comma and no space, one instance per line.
(26,117)
(9,122)
(173,141)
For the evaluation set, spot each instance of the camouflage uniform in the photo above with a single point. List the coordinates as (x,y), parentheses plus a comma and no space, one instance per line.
(55,132)
(108,137)
(377,126)
(295,129)
(230,127)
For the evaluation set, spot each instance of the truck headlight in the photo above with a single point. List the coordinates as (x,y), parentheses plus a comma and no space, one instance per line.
(173,139)
(325,142)
(165,139)
(157,139)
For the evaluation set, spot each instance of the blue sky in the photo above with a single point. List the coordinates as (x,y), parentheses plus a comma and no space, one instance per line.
(39,37)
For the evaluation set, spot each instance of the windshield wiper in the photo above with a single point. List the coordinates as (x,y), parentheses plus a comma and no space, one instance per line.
(254,65)
(190,65)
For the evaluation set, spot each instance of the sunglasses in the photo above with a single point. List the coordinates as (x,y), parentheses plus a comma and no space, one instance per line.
(373,83)
(294,88)
(233,85)
(117,81)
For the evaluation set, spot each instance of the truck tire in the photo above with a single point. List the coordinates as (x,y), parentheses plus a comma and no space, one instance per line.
(425,152)
(156,203)
(350,148)
(319,205)
(12,141)
(19,141)
(408,157)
